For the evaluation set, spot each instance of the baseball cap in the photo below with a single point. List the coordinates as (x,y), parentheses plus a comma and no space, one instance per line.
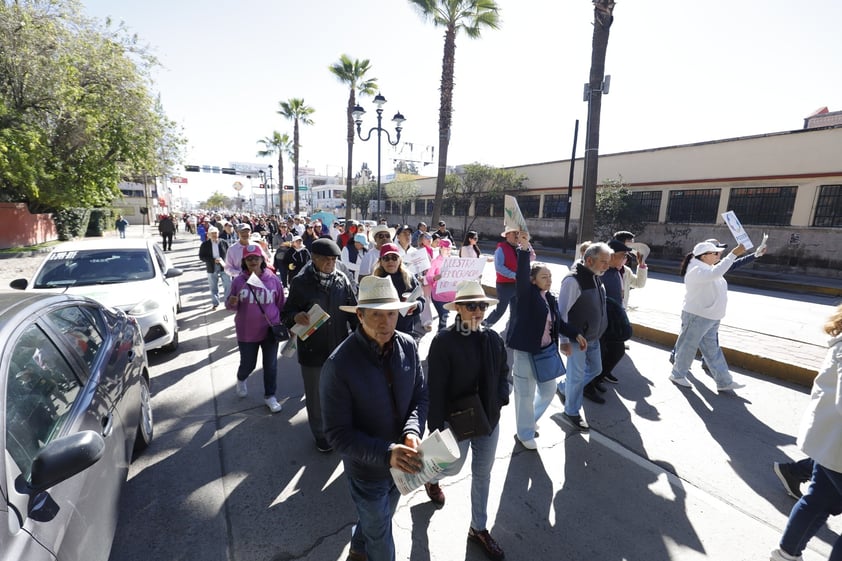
(252,249)
(387,248)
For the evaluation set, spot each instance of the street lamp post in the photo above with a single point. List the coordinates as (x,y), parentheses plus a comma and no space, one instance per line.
(271,195)
(262,175)
(398,119)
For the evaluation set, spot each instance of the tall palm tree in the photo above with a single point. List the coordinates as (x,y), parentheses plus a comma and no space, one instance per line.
(296,111)
(281,145)
(470,16)
(352,73)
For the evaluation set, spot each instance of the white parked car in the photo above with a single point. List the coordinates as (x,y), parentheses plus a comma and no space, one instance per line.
(132,275)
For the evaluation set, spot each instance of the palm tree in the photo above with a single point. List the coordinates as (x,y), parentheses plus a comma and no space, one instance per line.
(470,16)
(352,73)
(296,111)
(281,145)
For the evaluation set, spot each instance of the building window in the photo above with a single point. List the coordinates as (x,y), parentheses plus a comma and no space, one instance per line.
(646,205)
(763,205)
(529,205)
(697,205)
(555,206)
(829,207)
(482,208)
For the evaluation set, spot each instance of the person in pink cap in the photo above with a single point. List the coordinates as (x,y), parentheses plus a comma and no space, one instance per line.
(433,276)
(391,266)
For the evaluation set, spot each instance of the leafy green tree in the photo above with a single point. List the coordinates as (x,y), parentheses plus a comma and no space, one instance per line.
(281,145)
(352,73)
(616,210)
(402,191)
(471,17)
(361,196)
(217,200)
(479,183)
(295,110)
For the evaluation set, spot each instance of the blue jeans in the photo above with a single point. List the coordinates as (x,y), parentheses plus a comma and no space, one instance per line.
(529,405)
(582,367)
(443,313)
(483,451)
(214,279)
(248,360)
(700,333)
(376,502)
(505,292)
(823,498)
(122,233)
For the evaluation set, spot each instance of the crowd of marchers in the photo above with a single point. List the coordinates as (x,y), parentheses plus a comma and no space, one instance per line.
(370,398)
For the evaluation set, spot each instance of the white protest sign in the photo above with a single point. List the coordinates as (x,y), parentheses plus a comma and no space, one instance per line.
(512,216)
(457,269)
(417,261)
(737,229)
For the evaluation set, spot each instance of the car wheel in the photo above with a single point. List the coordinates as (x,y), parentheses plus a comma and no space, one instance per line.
(145,427)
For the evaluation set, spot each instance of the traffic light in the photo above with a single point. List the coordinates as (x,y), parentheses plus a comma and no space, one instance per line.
(191,168)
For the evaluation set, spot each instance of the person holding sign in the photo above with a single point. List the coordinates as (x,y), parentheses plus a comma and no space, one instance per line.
(467,360)
(705,301)
(391,266)
(374,397)
(506,263)
(440,298)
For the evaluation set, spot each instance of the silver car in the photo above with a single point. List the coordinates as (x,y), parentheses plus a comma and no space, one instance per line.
(75,402)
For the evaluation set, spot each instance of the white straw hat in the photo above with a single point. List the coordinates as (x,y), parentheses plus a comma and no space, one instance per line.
(469,291)
(378,293)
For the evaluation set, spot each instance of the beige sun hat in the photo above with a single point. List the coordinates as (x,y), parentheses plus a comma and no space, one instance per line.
(381,228)
(469,291)
(378,293)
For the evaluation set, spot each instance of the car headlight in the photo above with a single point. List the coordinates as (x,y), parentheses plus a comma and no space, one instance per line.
(144,307)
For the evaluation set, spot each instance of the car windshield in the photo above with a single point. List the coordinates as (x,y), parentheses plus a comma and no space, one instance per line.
(95,266)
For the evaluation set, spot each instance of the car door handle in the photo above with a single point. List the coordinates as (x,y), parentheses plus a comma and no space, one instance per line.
(107,425)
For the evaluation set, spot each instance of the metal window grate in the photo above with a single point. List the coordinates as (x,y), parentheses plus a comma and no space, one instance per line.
(555,206)
(482,207)
(763,205)
(647,205)
(529,205)
(829,207)
(697,205)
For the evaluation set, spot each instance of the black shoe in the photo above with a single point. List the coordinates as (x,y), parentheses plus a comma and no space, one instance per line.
(592,394)
(577,421)
(435,493)
(791,484)
(323,446)
(611,379)
(600,387)
(489,545)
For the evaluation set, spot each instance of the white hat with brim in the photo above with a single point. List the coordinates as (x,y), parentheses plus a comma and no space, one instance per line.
(381,228)
(642,249)
(706,247)
(469,291)
(509,229)
(378,293)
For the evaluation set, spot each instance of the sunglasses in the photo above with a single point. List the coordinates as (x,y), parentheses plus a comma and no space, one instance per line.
(390,257)
(383,235)
(474,306)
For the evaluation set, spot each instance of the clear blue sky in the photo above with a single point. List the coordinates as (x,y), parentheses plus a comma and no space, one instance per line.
(682,72)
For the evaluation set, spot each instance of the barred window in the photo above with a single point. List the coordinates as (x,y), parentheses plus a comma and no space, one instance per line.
(555,206)
(529,205)
(482,207)
(696,205)
(646,204)
(829,207)
(763,205)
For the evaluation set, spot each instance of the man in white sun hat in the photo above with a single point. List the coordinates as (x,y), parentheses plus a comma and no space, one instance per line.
(379,235)
(374,406)
(505,264)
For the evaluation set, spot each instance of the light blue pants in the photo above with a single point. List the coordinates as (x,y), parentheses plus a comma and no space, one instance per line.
(214,278)
(483,450)
(700,333)
(531,396)
(582,367)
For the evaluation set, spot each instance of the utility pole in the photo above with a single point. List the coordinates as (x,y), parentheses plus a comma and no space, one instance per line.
(594,89)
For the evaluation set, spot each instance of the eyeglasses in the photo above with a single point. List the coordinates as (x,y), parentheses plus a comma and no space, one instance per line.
(382,236)
(390,257)
(474,306)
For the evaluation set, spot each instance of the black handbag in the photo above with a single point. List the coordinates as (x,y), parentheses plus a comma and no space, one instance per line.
(467,417)
(279,331)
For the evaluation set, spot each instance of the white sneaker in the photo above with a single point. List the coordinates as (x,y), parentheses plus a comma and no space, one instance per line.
(242,388)
(779,555)
(730,387)
(680,381)
(272,404)
(529,443)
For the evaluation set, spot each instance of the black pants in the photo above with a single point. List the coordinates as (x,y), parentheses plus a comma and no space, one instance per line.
(167,243)
(612,353)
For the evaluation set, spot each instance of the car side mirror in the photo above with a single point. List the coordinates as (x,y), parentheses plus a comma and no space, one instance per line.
(63,458)
(173,272)
(19,284)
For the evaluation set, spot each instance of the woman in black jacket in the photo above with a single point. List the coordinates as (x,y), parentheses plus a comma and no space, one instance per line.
(533,336)
(466,360)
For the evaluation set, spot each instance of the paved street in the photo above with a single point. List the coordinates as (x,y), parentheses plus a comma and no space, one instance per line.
(665,474)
